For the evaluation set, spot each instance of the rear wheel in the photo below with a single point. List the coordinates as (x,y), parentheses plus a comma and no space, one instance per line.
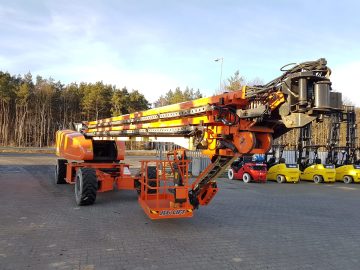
(151,174)
(246,178)
(231,174)
(60,171)
(317,179)
(86,186)
(347,179)
(280,179)
(137,183)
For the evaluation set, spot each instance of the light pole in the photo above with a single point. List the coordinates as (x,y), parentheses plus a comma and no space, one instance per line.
(221,68)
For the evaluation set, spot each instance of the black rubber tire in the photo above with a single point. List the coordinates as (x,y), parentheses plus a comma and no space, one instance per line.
(231,174)
(137,183)
(247,178)
(151,174)
(60,171)
(318,179)
(86,186)
(347,179)
(280,179)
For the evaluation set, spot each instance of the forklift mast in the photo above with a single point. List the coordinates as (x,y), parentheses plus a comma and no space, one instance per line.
(304,143)
(334,138)
(276,150)
(348,116)
(351,134)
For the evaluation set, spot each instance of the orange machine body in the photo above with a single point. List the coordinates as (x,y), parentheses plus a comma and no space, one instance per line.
(73,145)
(81,152)
(159,197)
(109,175)
(223,127)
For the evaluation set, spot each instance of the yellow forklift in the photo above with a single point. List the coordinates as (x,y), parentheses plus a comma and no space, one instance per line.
(344,157)
(278,169)
(347,170)
(310,165)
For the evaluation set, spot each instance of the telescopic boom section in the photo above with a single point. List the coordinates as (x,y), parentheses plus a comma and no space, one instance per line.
(230,124)
(239,121)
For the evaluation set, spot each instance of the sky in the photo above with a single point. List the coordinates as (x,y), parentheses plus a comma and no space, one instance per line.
(154,46)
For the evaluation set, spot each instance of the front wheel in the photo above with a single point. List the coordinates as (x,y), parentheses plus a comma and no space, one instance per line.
(86,186)
(231,174)
(60,171)
(317,179)
(347,179)
(280,179)
(246,178)
(152,176)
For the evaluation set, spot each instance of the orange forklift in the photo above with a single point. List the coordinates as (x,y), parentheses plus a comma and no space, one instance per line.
(224,127)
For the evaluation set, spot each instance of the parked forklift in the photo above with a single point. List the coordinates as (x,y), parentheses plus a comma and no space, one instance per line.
(344,157)
(312,168)
(249,169)
(278,169)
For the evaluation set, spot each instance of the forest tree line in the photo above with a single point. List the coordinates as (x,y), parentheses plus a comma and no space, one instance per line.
(31,111)
(177,96)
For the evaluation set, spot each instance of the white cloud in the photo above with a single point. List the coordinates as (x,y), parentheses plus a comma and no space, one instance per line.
(72,53)
(151,84)
(82,58)
(345,79)
(130,45)
(6,63)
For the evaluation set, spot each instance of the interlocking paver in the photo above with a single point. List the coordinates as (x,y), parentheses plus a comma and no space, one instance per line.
(254,226)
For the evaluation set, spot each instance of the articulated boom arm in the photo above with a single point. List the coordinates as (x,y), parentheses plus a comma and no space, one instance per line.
(230,124)
(242,122)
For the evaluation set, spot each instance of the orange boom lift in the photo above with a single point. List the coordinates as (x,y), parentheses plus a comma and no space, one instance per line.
(223,126)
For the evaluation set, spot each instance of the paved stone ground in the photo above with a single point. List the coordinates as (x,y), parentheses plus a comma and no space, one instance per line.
(253,226)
